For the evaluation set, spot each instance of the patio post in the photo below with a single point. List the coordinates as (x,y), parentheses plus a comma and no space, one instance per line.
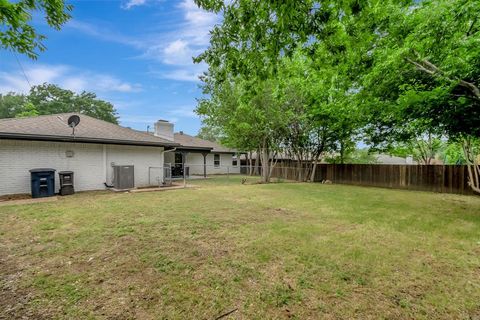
(184,155)
(204,154)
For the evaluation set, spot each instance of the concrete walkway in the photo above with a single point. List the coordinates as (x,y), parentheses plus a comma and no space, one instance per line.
(160,188)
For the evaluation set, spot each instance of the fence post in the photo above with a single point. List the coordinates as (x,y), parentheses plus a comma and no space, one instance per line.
(184,177)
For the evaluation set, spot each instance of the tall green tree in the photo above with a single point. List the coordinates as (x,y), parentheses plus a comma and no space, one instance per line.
(406,69)
(16,29)
(28,110)
(423,149)
(249,115)
(425,75)
(210,133)
(51,99)
(261,44)
(11,104)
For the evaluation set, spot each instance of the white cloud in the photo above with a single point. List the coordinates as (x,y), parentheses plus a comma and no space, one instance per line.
(133,3)
(104,33)
(109,83)
(144,120)
(178,48)
(198,23)
(173,114)
(16,82)
(74,84)
(191,37)
(175,48)
(64,76)
(179,75)
(183,112)
(189,40)
(178,52)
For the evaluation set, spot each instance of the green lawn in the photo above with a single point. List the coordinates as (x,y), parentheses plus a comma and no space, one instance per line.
(287,250)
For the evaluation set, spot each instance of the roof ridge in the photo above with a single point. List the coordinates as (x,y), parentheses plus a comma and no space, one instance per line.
(48,125)
(44,116)
(124,128)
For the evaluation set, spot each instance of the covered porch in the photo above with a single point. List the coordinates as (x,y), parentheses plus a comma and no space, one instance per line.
(187,161)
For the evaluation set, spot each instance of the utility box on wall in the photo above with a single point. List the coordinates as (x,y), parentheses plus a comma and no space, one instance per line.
(123,177)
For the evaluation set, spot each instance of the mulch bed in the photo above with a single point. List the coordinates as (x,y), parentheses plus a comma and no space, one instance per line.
(10,197)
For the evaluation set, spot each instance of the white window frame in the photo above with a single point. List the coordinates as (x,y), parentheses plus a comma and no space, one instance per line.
(215,164)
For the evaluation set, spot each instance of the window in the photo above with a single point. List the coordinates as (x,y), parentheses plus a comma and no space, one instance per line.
(234,161)
(178,158)
(216,160)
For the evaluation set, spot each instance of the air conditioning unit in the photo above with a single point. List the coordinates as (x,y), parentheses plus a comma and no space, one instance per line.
(123,177)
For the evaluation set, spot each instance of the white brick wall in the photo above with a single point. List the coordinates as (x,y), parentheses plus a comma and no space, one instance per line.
(195,162)
(141,157)
(90,163)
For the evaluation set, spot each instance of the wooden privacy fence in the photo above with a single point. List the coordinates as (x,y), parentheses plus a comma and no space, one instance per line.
(436,178)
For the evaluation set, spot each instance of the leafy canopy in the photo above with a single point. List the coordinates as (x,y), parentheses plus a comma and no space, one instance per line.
(51,99)
(16,30)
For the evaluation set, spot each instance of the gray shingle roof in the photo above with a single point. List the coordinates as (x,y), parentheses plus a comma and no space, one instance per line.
(186,141)
(54,128)
(389,159)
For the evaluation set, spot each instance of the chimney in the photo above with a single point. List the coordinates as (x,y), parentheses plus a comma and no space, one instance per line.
(164,129)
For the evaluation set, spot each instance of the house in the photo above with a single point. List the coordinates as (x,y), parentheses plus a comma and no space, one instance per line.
(389,159)
(200,157)
(283,159)
(94,148)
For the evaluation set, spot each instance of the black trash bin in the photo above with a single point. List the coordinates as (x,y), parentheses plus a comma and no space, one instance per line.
(66,182)
(42,182)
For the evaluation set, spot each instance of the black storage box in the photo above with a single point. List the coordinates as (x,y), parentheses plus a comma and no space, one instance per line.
(66,182)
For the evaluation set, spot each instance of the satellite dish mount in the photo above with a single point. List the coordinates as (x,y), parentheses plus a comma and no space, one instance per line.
(73,121)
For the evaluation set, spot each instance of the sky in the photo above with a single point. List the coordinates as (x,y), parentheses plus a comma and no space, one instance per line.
(136,54)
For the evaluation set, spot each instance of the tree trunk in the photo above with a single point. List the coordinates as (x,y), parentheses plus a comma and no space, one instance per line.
(473,166)
(265,164)
(250,167)
(314,169)
(299,168)
(257,163)
(272,166)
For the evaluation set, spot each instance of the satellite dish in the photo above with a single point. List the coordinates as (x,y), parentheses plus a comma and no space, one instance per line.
(73,121)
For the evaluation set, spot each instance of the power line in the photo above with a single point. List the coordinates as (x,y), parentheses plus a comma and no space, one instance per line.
(23,70)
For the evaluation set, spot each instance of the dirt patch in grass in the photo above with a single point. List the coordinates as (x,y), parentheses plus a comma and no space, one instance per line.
(10,197)
(15,299)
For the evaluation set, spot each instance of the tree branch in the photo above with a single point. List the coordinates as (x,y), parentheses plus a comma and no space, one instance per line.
(471,26)
(431,69)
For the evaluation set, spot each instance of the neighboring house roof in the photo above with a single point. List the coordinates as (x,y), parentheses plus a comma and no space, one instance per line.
(380,158)
(278,156)
(90,130)
(187,141)
(388,159)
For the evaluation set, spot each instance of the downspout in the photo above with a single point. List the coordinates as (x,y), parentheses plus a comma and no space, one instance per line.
(105,171)
(170,150)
